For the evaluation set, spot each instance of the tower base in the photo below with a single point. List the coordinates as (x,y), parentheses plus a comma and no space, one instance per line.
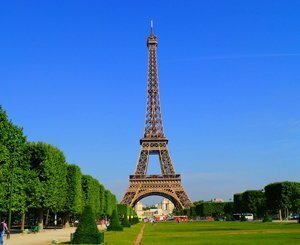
(168,186)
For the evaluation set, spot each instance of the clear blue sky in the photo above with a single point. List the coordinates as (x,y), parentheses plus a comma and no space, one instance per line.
(73,74)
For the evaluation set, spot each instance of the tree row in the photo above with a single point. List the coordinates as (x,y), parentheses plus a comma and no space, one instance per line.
(276,200)
(38,185)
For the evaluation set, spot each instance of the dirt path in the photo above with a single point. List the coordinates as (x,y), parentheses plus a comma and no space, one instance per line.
(44,237)
(138,240)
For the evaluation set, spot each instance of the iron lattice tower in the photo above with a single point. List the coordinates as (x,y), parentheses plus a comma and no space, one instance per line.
(154,142)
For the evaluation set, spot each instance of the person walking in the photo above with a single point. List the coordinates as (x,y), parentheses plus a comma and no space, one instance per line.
(3,230)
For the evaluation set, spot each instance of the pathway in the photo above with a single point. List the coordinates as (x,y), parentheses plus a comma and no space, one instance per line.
(138,240)
(44,237)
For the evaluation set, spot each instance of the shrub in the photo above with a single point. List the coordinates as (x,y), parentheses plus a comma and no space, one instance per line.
(243,218)
(87,231)
(135,220)
(114,222)
(125,222)
(228,217)
(267,218)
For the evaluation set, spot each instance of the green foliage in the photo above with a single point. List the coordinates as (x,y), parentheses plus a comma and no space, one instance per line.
(253,201)
(191,212)
(267,218)
(283,195)
(179,211)
(74,201)
(102,199)
(214,209)
(114,222)
(110,202)
(130,211)
(238,203)
(125,210)
(91,193)
(198,202)
(14,170)
(228,217)
(49,170)
(87,231)
(135,220)
(229,209)
(122,209)
(243,218)
(198,208)
(125,221)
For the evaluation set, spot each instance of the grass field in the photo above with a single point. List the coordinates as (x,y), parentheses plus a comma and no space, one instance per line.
(210,233)
(128,236)
(222,232)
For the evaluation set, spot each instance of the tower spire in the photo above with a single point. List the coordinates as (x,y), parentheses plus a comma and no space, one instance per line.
(153,125)
(151,27)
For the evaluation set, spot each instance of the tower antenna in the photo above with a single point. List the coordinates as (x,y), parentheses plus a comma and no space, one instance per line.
(151,26)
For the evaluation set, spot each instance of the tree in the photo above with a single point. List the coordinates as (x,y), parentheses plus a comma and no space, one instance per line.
(125,211)
(125,221)
(229,209)
(238,203)
(13,169)
(191,212)
(214,209)
(110,202)
(74,201)
(102,199)
(122,210)
(91,193)
(283,196)
(49,170)
(198,207)
(114,222)
(87,231)
(253,201)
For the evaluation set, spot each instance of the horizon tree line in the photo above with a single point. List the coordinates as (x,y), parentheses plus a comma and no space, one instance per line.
(276,199)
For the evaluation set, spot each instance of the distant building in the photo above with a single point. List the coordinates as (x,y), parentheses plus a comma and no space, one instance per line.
(139,209)
(217,200)
(164,208)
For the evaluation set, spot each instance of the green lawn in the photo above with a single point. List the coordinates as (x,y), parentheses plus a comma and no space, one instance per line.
(127,236)
(209,233)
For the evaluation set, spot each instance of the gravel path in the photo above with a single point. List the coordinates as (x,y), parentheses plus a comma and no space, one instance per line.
(138,240)
(44,237)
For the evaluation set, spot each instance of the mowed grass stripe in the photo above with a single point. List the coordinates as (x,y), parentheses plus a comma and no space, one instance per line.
(128,236)
(222,232)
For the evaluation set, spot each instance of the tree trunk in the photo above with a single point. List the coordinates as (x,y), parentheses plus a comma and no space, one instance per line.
(47,218)
(23,222)
(66,220)
(40,219)
(280,216)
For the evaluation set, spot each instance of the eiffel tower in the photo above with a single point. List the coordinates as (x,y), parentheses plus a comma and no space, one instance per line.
(154,142)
